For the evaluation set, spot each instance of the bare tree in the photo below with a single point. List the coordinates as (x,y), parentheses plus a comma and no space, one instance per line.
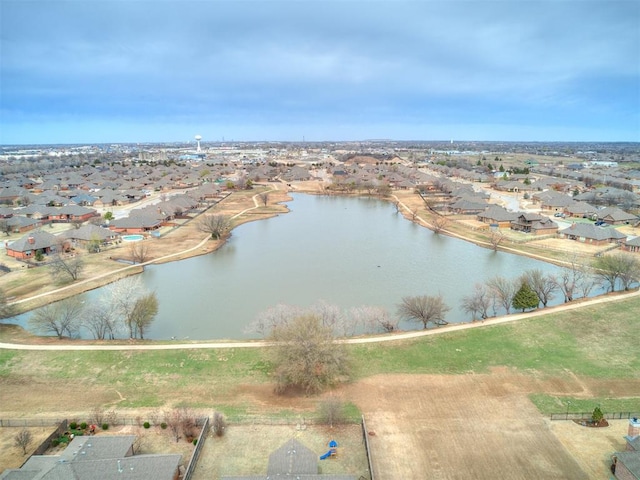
(272,318)
(219,424)
(424,309)
(496,238)
(61,318)
(173,419)
(503,290)
(264,198)
(332,411)
(23,439)
(570,277)
(64,266)
(479,302)
(439,223)
(305,355)
(122,297)
(139,251)
(617,267)
(97,415)
(5,227)
(542,284)
(6,309)
(215,225)
(372,319)
(144,311)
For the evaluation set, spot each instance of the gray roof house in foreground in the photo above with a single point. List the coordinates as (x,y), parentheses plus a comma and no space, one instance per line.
(293,460)
(97,457)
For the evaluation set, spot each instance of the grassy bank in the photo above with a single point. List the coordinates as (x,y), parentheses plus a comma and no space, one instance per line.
(594,342)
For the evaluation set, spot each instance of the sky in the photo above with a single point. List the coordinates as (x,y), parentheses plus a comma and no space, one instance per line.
(116,71)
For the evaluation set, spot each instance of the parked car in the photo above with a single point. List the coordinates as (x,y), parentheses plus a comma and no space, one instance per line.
(559,215)
(601,223)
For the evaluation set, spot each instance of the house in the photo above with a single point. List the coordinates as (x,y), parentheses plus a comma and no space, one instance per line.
(90,233)
(27,246)
(293,460)
(497,215)
(468,206)
(616,216)
(139,223)
(552,200)
(590,233)
(580,209)
(98,457)
(627,464)
(632,245)
(534,223)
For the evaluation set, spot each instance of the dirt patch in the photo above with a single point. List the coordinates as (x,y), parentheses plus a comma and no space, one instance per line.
(454,427)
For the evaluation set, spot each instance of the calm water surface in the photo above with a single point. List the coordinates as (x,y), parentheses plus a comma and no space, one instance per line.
(346,251)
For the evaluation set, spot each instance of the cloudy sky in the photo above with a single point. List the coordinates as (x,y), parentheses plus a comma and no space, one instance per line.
(142,71)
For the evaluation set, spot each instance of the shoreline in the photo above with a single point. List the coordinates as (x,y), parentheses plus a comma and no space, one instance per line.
(207,245)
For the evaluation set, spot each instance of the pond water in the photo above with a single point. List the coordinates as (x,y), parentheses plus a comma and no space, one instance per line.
(346,251)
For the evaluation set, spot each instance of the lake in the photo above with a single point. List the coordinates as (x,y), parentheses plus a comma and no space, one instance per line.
(347,252)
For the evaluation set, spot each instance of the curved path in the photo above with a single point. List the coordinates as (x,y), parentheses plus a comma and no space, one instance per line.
(361,340)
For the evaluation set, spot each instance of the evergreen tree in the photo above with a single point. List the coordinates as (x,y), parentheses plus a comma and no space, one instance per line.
(525,298)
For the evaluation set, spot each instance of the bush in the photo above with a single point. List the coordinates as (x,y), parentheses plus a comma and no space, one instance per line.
(55,442)
(73,425)
(219,424)
(83,425)
(195,441)
(146,424)
(105,426)
(163,426)
(597,415)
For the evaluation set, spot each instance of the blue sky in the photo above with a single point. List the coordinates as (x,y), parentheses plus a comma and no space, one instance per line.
(96,71)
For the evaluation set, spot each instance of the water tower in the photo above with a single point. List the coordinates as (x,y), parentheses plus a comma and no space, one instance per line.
(198,138)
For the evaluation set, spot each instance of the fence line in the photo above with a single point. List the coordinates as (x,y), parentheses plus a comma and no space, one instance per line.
(191,468)
(54,422)
(587,415)
(365,435)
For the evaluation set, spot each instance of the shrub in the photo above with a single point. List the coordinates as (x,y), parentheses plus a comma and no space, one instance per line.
(83,425)
(146,424)
(105,426)
(219,424)
(55,442)
(597,415)
(195,441)
(163,426)
(73,425)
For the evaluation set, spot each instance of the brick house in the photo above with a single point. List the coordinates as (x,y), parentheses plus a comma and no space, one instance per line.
(535,224)
(591,234)
(27,246)
(497,215)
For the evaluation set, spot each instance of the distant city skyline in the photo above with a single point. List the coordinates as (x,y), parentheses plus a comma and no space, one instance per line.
(469,70)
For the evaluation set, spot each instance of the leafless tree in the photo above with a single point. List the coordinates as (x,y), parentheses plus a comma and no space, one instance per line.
(219,424)
(122,297)
(439,223)
(424,309)
(6,309)
(569,278)
(216,225)
(332,411)
(100,320)
(503,290)
(61,318)
(139,251)
(264,198)
(97,415)
(140,443)
(112,417)
(23,439)
(371,319)
(617,267)
(173,419)
(479,302)
(329,315)
(496,238)
(305,356)
(5,227)
(542,284)
(66,266)
(144,311)
(272,318)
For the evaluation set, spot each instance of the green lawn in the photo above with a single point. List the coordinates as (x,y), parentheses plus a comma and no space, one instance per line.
(598,342)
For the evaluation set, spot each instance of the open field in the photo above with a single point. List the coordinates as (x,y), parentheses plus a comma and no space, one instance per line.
(457,404)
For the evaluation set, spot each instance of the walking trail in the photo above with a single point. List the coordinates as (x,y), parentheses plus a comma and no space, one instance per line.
(260,343)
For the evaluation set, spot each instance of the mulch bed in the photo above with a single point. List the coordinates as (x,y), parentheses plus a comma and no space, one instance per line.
(592,424)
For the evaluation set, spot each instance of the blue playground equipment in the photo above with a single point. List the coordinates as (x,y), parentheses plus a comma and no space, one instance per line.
(333,450)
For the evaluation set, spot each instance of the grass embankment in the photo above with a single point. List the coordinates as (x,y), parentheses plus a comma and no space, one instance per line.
(597,342)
